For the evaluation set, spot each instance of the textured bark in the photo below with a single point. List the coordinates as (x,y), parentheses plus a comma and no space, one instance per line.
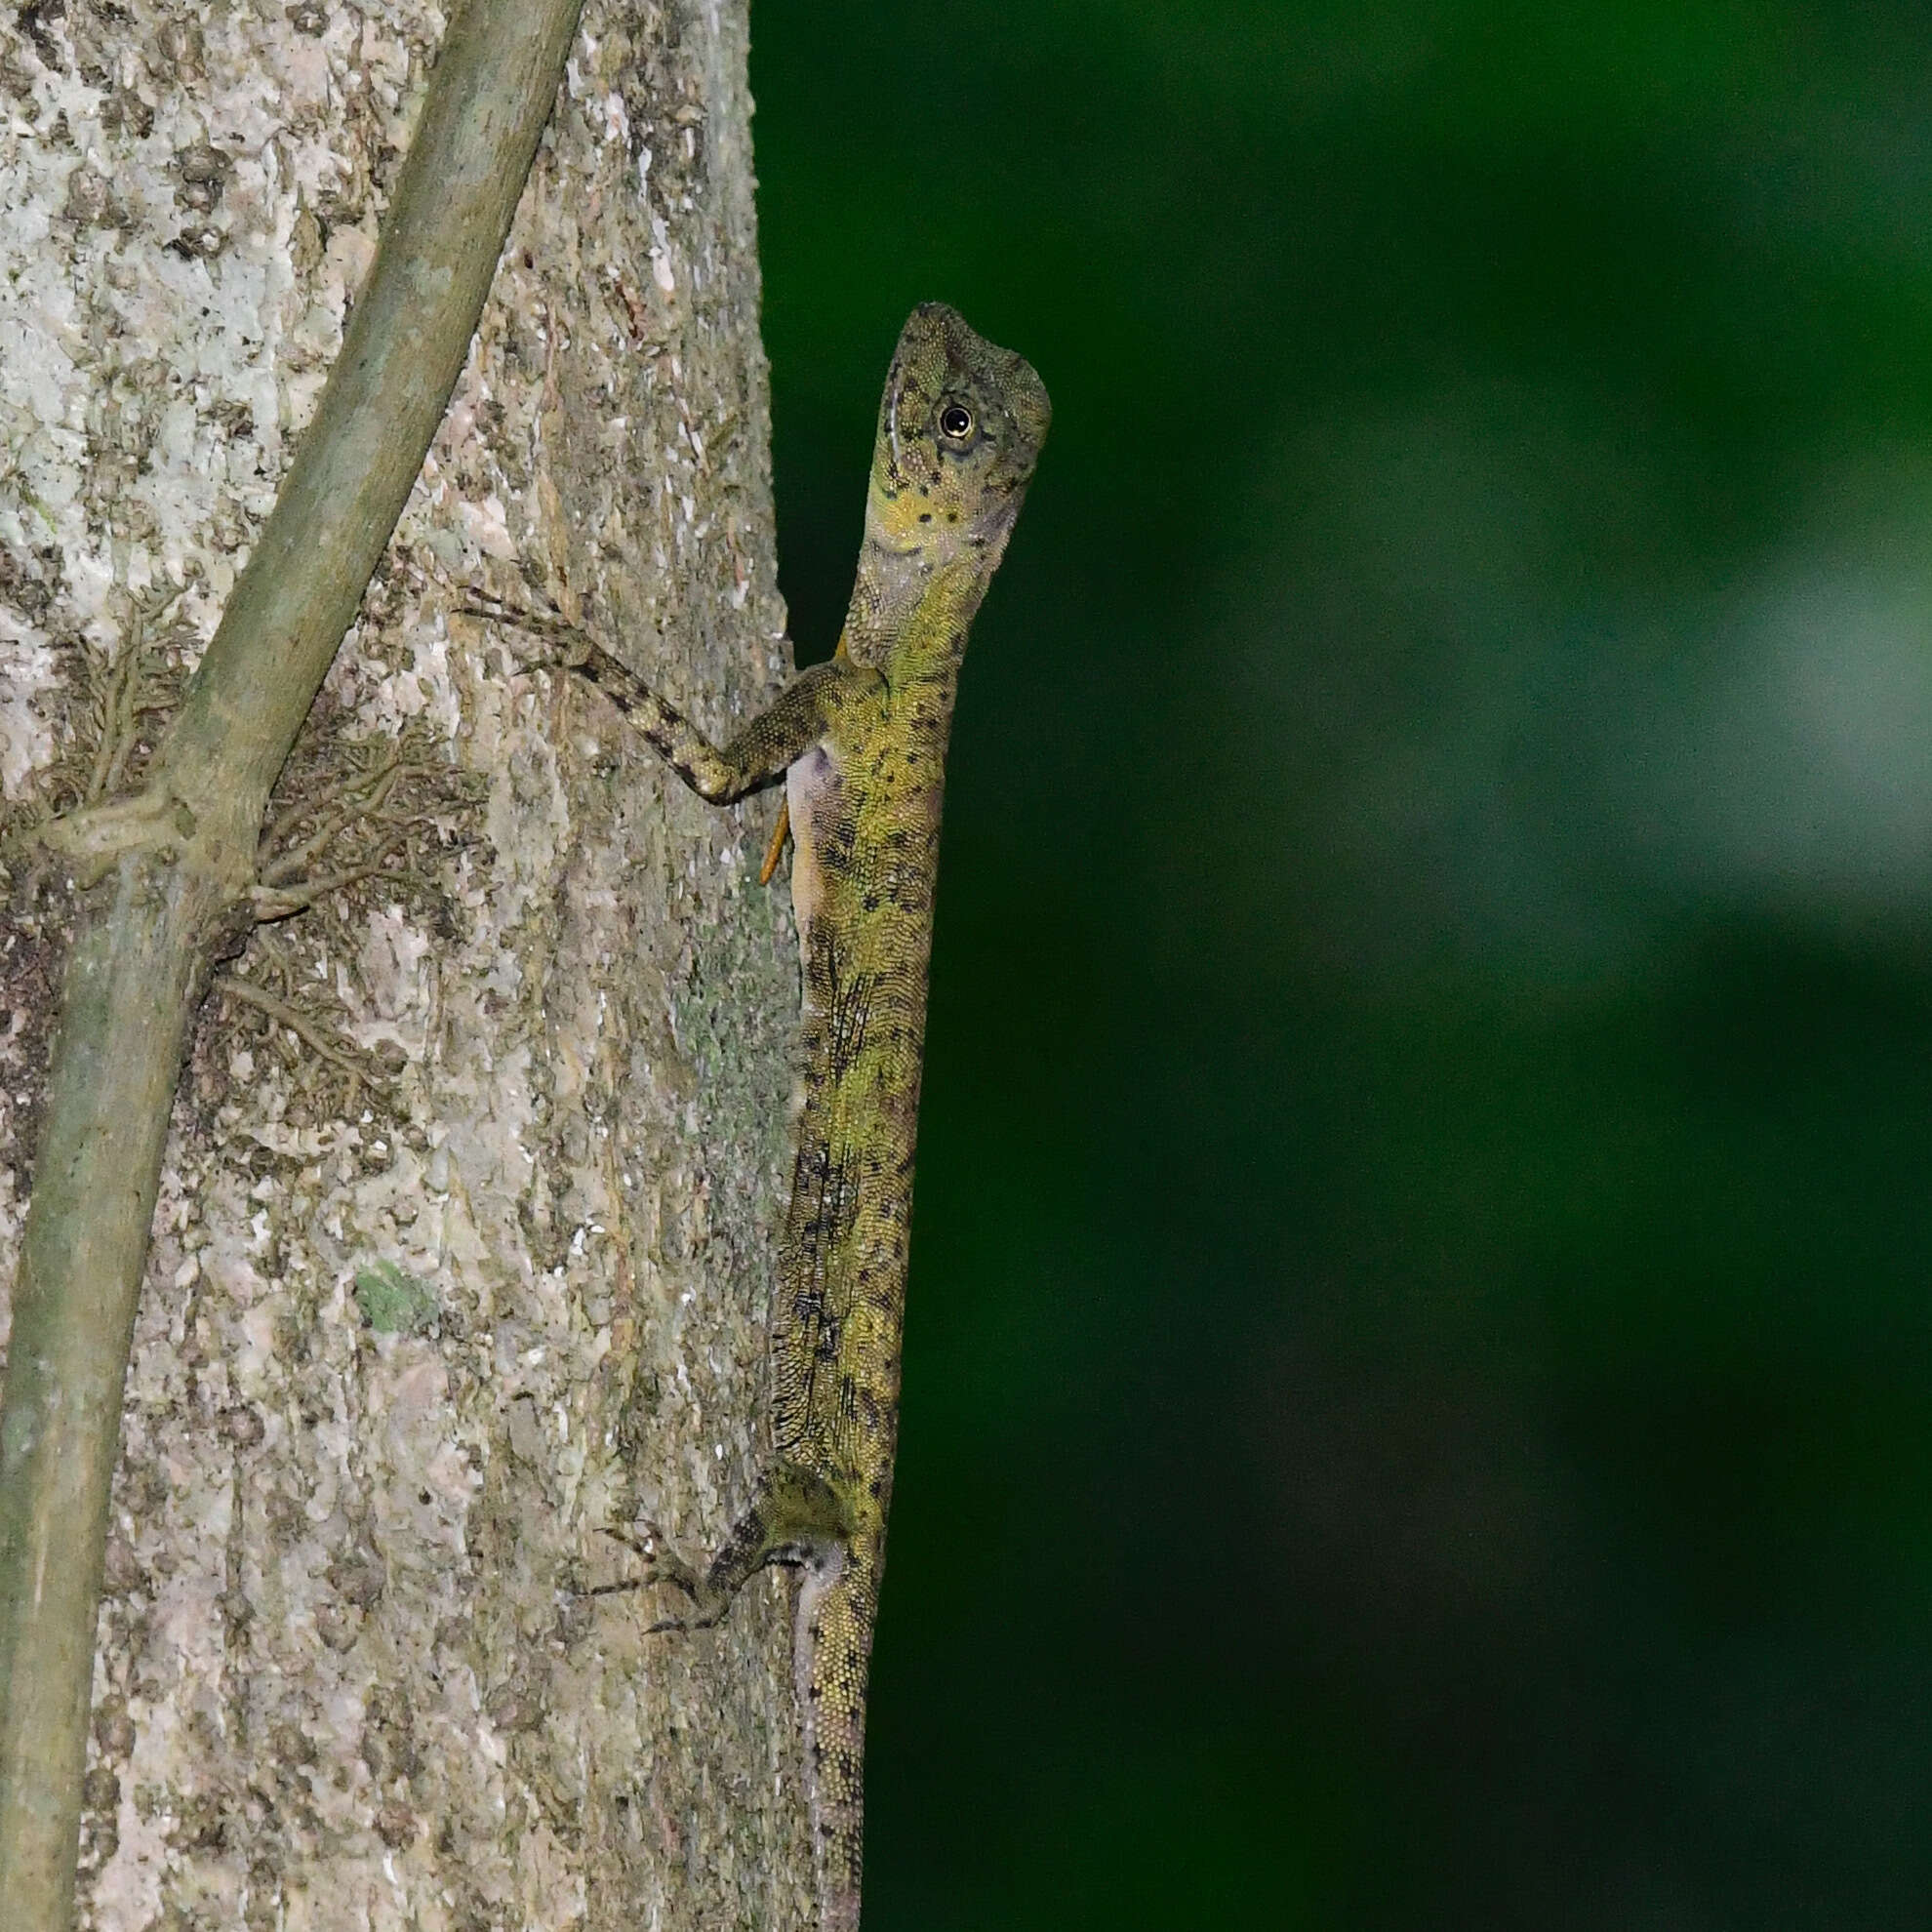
(341,1678)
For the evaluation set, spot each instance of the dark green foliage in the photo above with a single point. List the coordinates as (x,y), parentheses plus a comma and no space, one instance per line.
(1419,1371)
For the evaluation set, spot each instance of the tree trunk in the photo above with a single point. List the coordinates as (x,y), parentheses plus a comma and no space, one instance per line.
(462,1247)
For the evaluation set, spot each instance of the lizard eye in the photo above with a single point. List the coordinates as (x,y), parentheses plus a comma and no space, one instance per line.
(955,422)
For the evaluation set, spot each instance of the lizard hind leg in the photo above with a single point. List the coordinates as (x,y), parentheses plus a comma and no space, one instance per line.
(793,1517)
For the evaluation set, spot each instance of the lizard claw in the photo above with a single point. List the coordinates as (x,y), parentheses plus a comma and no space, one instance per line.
(638,1543)
(663,1565)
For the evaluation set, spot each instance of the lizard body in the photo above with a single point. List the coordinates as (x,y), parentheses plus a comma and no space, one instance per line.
(862,744)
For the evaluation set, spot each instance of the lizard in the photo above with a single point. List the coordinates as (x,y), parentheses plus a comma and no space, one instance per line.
(860,743)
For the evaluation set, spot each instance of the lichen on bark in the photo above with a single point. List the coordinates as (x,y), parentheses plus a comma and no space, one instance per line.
(342,1678)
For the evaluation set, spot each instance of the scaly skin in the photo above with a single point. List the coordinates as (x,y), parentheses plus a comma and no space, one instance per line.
(862,743)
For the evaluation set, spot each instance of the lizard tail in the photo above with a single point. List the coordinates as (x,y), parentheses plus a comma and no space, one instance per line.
(832,1651)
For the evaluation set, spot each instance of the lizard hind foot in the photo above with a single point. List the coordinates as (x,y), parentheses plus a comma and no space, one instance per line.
(662,1565)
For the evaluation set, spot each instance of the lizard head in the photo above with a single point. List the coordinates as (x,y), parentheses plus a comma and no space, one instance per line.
(960,429)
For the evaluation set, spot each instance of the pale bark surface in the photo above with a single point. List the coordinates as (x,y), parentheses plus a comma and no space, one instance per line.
(342,1681)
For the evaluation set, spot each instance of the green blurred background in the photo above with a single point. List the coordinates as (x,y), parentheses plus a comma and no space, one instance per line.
(1419,1390)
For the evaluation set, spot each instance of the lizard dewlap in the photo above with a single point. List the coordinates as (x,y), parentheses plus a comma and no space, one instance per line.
(860,742)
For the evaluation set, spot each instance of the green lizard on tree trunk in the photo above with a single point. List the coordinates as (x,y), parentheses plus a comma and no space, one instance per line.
(862,742)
